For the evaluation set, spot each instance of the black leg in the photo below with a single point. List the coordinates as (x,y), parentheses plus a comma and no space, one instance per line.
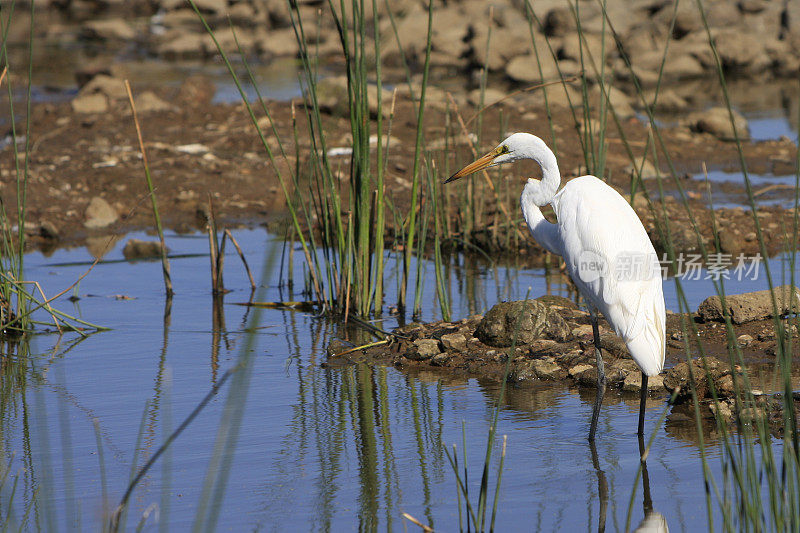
(601,378)
(642,401)
(647,501)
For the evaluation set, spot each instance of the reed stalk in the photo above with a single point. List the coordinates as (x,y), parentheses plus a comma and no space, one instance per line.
(152,194)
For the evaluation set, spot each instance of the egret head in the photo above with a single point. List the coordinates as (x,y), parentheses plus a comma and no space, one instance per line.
(516,146)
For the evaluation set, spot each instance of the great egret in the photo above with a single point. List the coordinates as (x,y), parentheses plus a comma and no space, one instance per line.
(606,250)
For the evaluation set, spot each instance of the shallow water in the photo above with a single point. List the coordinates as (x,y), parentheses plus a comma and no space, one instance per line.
(319,448)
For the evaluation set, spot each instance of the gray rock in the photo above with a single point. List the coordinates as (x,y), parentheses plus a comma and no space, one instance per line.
(528,320)
(424,349)
(138,249)
(90,103)
(99,214)
(717,122)
(454,341)
(752,305)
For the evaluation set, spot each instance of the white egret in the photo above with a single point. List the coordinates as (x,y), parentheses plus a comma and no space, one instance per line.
(607,253)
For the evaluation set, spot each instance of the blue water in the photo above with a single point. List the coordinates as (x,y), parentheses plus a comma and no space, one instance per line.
(319,448)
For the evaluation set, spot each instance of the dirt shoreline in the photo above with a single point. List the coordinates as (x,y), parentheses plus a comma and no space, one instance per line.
(198,150)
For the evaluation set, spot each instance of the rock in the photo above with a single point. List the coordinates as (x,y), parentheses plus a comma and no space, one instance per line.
(48,230)
(547,370)
(448,40)
(576,371)
(584,330)
(490,96)
(196,90)
(723,409)
(86,72)
(183,45)
(744,340)
(751,306)
(109,86)
(648,170)
(440,359)
(679,377)
(413,31)
(559,21)
(332,97)
(89,103)
(504,45)
(682,67)
(551,300)
(729,242)
(278,42)
(212,6)
(717,122)
(749,415)
(148,102)
(667,100)
(138,249)
(528,320)
(424,349)
(108,30)
(454,341)
(741,51)
(633,382)
(525,69)
(99,214)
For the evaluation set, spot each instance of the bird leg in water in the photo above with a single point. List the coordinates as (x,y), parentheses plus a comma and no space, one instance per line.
(642,400)
(601,377)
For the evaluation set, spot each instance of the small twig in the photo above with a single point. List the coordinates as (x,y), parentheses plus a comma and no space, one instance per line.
(773,187)
(416,522)
(362,347)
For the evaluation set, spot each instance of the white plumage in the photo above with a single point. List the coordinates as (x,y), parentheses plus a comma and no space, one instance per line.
(606,249)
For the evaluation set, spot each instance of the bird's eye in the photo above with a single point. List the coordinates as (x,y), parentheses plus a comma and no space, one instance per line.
(504,149)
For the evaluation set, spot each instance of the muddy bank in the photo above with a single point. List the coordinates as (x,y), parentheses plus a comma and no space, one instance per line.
(553,342)
(87,154)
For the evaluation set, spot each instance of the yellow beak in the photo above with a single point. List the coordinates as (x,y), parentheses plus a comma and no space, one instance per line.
(475,166)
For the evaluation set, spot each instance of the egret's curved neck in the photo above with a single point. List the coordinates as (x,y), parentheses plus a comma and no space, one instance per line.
(541,192)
